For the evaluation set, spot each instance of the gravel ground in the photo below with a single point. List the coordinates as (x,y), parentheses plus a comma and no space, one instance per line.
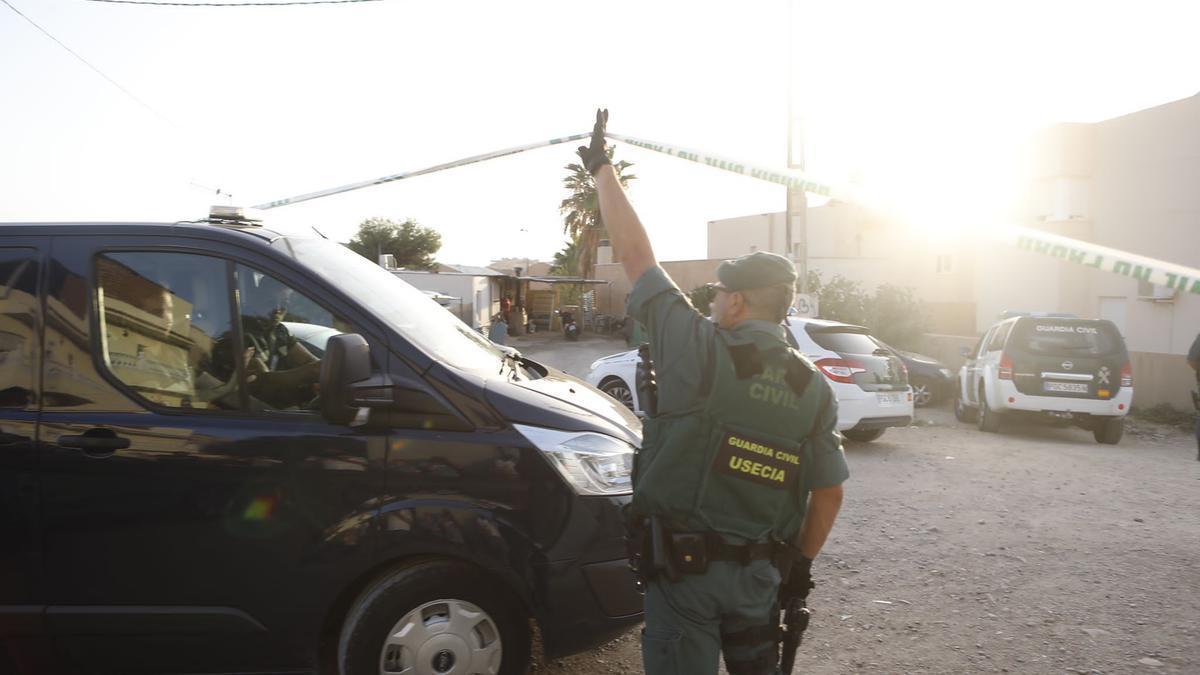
(1035,550)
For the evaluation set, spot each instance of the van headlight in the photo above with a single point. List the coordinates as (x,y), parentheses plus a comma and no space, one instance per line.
(594,464)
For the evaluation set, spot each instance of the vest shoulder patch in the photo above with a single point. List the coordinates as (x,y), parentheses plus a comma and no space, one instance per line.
(747,360)
(799,374)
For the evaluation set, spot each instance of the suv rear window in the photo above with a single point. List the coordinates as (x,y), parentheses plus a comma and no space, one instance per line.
(845,342)
(1065,337)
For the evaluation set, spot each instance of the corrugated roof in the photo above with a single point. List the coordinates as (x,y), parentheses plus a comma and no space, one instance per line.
(477,271)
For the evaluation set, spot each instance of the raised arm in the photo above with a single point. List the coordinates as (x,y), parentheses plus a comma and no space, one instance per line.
(625,230)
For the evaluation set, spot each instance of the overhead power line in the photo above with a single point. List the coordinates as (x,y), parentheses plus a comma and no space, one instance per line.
(87,63)
(283,3)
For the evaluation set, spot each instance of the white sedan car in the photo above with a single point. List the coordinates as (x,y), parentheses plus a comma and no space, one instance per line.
(869,379)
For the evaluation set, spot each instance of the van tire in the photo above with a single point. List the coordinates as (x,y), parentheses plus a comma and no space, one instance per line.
(405,589)
(863,435)
(989,420)
(962,412)
(1108,430)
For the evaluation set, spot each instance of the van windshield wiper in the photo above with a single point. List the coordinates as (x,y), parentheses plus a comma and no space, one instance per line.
(513,361)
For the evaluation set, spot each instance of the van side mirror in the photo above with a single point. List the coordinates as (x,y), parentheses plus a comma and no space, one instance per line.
(348,385)
(347,360)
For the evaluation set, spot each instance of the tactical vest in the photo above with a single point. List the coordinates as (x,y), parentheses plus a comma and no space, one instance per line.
(736,464)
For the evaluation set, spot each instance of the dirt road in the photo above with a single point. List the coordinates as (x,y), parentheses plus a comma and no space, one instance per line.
(1035,550)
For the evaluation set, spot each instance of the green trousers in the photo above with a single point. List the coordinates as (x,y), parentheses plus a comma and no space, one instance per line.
(732,608)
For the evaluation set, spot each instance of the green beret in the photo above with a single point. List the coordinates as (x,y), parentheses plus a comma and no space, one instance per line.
(757,270)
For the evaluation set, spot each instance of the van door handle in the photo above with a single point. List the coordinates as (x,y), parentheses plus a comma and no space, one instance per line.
(97,441)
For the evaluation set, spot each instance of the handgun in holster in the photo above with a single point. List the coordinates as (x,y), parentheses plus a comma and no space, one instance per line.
(646,382)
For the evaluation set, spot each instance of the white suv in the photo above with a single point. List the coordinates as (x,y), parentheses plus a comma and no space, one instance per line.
(1071,368)
(869,378)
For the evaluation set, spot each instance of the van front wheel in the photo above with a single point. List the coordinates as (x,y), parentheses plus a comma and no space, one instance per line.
(434,617)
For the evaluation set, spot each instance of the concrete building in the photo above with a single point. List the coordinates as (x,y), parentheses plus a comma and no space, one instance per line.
(479,288)
(848,241)
(1128,183)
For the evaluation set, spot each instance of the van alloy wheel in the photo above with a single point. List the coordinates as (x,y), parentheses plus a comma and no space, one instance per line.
(443,637)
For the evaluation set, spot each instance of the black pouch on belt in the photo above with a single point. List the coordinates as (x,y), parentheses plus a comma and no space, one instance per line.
(690,552)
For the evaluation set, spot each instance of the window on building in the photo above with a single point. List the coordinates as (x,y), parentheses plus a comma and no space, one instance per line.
(945,264)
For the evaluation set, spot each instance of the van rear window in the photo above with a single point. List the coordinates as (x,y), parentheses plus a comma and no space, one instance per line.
(1066,338)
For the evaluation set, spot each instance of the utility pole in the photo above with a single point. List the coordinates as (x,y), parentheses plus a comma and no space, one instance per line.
(797,199)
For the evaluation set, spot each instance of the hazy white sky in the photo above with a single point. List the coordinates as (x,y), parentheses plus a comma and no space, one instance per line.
(926,101)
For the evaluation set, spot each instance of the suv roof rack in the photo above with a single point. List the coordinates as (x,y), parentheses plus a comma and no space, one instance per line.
(1008,314)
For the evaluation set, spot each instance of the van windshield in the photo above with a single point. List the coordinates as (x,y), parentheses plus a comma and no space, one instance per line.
(1064,337)
(413,314)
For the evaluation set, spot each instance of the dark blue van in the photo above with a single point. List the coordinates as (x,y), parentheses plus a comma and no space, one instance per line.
(226,450)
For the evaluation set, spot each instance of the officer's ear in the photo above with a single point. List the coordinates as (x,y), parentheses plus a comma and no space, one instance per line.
(737,303)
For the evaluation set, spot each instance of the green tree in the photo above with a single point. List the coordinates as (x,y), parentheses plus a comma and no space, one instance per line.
(701,298)
(412,244)
(581,210)
(892,313)
(566,261)
(897,317)
(841,299)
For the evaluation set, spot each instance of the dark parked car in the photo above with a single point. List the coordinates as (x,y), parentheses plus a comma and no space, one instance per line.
(223,449)
(932,382)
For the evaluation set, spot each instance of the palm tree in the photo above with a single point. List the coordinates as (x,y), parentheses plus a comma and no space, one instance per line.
(581,211)
(566,261)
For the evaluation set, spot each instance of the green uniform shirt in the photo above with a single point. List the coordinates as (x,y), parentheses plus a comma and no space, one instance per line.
(682,344)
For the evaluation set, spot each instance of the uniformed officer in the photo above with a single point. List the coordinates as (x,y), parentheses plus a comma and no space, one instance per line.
(741,469)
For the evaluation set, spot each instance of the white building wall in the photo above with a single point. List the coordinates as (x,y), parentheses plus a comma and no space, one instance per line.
(471,289)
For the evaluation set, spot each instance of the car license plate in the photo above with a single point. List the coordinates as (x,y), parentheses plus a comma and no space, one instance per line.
(889,399)
(1067,387)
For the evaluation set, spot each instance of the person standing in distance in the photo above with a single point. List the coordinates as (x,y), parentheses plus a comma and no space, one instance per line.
(739,478)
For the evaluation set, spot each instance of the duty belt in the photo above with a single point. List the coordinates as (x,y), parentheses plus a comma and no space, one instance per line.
(718,549)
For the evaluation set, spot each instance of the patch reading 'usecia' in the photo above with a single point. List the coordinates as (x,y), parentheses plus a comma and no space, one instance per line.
(756,461)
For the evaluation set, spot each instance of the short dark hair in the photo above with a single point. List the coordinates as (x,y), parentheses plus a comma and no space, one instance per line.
(770,303)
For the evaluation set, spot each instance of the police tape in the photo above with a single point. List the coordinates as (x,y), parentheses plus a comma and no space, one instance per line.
(788,177)
(419,172)
(1132,265)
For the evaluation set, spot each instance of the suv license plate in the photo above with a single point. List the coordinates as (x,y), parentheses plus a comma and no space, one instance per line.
(1067,387)
(889,399)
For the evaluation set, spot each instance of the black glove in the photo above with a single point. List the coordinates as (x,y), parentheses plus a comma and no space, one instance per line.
(596,155)
(799,581)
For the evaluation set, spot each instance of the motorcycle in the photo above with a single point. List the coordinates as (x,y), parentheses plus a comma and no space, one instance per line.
(569,326)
